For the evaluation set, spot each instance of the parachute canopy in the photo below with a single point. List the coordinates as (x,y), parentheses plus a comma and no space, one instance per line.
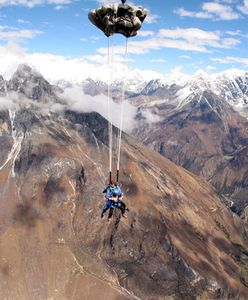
(124,19)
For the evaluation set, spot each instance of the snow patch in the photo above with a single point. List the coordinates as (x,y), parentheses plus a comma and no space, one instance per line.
(17,136)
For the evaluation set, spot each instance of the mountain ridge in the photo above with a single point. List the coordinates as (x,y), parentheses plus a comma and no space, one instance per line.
(179,240)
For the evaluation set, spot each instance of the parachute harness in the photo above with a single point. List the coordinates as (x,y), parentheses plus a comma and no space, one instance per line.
(126,20)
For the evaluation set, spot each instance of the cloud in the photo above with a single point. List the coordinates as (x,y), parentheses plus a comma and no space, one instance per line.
(19,34)
(104,2)
(211,10)
(209,67)
(6,103)
(237,33)
(151,18)
(176,75)
(234,32)
(57,67)
(185,56)
(228,1)
(151,117)
(231,59)
(21,21)
(33,3)
(59,7)
(95,38)
(3,27)
(220,11)
(74,99)
(244,8)
(145,33)
(77,101)
(185,39)
(158,60)
(103,59)
(186,13)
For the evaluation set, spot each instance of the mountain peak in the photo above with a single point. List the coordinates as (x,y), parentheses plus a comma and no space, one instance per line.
(25,71)
(31,84)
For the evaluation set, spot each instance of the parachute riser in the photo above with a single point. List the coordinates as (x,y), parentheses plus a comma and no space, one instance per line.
(117,176)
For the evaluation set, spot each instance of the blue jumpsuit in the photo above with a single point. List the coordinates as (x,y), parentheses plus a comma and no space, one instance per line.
(116,193)
(109,203)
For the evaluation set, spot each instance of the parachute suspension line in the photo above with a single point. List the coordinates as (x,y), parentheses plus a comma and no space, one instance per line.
(110,114)
(122,112)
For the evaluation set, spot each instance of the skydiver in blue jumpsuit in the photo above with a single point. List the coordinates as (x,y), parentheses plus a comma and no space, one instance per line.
(114,197)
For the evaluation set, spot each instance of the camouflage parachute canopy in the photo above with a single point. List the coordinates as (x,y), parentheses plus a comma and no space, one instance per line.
(124,19)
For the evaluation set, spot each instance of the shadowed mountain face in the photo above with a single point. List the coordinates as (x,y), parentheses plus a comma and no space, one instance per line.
(202,133)
(178,242)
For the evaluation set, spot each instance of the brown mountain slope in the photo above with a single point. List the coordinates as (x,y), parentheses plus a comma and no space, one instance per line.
(205,136)
(178,242)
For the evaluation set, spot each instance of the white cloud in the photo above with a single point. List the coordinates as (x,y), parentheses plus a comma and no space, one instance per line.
(190,34)
(145,33)
(234,32)
(103,59)
(75,100)
(104,2)
(186,39)
(231,59)
(244,8)
(78,101)
(151,117)
(228,1)
(158,60)
(186,13)
(211,10)
(59,7)
(58,67)
(33,3)
(6,103)
(3,27)
(230,42)
(209,67)
(95,38)
(21,21)
(185,56)
(237,33)
(220,11)
(176,75)
(151,18)
(19,34)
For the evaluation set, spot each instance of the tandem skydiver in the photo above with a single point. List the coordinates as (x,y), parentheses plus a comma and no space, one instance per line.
(114,197)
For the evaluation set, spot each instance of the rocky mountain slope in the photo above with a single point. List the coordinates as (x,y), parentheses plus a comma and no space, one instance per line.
(178,242)
(200,127)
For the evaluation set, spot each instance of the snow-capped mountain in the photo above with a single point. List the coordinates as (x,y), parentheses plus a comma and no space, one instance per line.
(31,84)
(201,126)
(231,86)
